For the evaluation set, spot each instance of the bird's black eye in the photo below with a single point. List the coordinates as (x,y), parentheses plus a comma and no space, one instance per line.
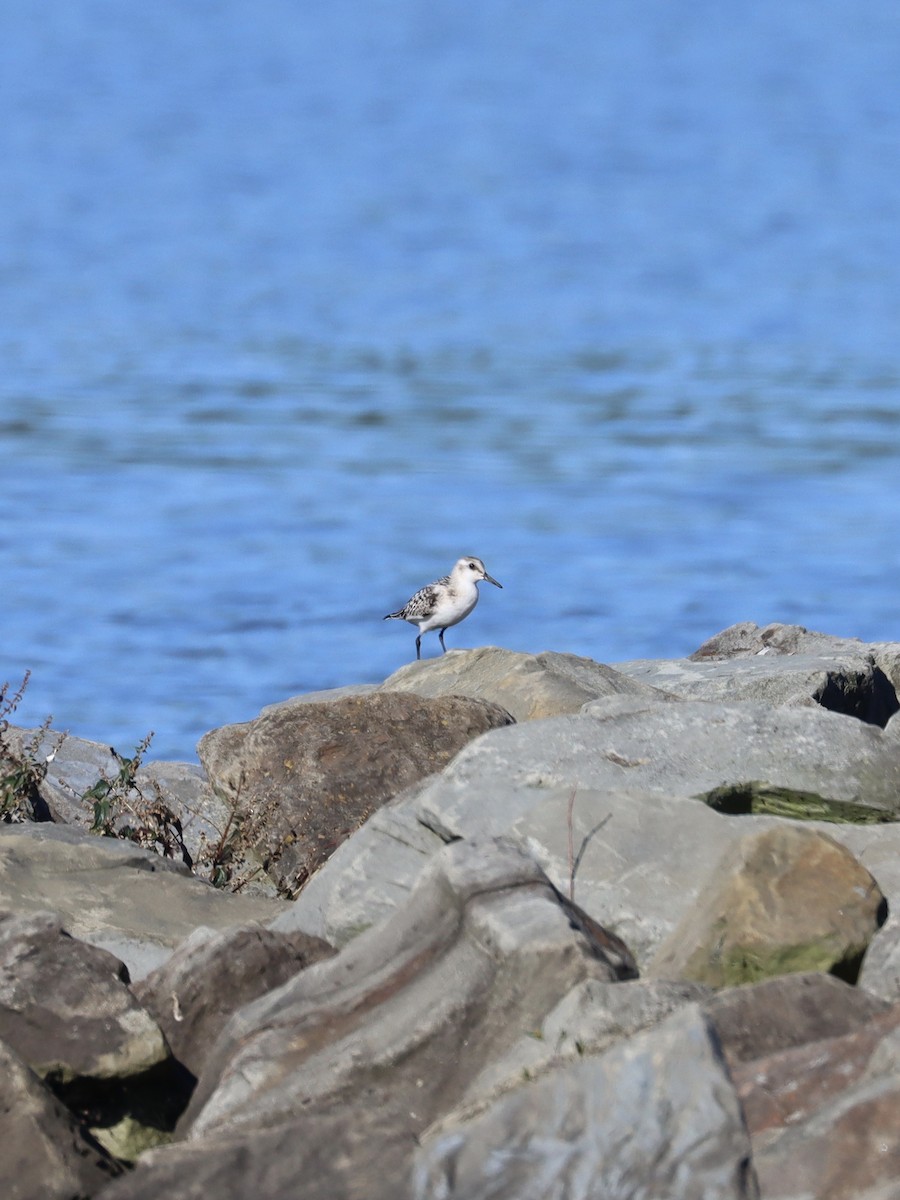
(472,567)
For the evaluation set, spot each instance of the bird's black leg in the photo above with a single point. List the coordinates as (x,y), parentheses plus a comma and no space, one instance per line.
(441,638)
(419,646)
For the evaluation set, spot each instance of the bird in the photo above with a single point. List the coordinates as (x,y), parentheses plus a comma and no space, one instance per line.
(445,602)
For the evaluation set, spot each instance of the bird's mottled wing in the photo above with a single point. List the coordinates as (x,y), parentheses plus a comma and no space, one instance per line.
(425,600)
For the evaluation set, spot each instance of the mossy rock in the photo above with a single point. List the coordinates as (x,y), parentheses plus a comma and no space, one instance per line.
(756,797)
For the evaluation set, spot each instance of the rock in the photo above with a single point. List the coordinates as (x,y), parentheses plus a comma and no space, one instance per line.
(316,771)
(67,1012)
(788,899)
(482,919)
(113,894)
(76,765)
(44,1152)
(780,1089)
(758,1020)
(747,639)
(630,774)
(824,1117)
(215,972)
(848,1151)
(589,1019)
(65,1007)
(338,1070)
(526,685)
(653,1117)
(852,685)
(880,974)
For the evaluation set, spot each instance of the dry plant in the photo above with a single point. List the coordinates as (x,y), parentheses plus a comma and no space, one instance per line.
(124,805)
(22,770)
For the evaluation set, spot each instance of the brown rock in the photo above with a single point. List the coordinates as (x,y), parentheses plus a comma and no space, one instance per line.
(212,974)
(762,1019)
(851,1152)
(778,1090)
(315,772)
(790,899)
(65,1007)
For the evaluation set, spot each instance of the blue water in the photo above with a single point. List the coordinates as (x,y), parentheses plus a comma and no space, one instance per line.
(300,302)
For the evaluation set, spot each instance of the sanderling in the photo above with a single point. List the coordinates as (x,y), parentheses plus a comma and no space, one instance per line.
(445,602)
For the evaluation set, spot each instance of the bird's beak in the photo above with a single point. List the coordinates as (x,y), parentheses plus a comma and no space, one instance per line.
(493,581)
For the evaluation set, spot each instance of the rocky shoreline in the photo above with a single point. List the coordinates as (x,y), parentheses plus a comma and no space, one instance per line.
(507,925)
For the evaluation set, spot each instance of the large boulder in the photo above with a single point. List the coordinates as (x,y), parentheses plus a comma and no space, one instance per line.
(65,1007)
(316,771)
(761,1020)
(787,899)
(527,685)
(617,788)
(749,640)
(320,1087)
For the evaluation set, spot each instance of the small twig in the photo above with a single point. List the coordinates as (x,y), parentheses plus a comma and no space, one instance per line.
(570,828)
(573,858)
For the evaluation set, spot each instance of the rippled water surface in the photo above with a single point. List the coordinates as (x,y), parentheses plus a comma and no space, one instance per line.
(299,303)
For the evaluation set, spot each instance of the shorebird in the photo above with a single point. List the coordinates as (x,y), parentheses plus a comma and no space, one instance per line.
(445,602)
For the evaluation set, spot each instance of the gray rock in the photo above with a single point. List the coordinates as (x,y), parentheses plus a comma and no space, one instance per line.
(747,639)
(450,965)
(319,1088)
(76,765)
(315,772)
(852,685)
(527,685)
(880,972)
(629,773)
(114,895)
(215,972)
(589,1019)
(44,1152)
(652,1118)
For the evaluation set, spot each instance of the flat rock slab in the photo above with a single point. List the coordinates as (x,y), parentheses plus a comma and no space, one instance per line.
(113,894)
(529,686)
(852,685)
(316,771)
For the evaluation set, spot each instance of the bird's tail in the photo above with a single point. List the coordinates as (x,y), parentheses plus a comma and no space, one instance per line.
(393,616)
